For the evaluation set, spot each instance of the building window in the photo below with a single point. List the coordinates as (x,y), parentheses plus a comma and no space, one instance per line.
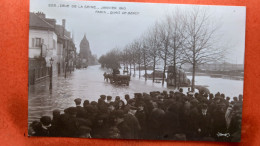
(37,42)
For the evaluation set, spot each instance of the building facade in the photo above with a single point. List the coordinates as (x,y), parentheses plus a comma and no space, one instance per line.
(47,41)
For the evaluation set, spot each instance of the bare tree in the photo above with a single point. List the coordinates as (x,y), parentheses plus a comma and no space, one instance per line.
(200,35)
(136,46)
(145,46)
(111,59)
(133,57)
(154,45)
(164,32)
(176,27)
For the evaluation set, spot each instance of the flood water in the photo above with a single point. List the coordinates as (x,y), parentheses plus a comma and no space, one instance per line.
(89,84)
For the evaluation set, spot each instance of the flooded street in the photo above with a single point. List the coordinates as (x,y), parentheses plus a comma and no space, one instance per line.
(85,84)
(89,84)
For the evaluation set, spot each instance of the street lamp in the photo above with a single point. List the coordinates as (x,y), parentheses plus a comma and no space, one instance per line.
(51,62)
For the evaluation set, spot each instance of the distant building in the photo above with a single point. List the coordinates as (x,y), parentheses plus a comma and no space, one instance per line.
(85,52)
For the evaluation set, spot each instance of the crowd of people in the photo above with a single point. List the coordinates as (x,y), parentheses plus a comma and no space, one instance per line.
(157,115)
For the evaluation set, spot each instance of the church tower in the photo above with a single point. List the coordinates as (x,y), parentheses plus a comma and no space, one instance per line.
(85,49)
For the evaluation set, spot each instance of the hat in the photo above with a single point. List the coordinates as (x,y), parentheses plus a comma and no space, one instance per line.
(45,120)
(109,97)
(103,97)
(86,102)
(93,103)
(117,98)
(77,101)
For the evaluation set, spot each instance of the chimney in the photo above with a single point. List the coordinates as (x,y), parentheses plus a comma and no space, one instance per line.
(41,15)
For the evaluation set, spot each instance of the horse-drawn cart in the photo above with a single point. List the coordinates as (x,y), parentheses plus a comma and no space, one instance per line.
(116,78)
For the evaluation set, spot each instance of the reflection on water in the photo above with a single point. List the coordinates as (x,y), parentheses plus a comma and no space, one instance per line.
(89,84)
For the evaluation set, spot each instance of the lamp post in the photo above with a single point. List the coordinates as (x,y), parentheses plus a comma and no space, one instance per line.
(51,62)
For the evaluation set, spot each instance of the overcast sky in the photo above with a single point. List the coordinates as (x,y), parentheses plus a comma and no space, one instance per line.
(105,31)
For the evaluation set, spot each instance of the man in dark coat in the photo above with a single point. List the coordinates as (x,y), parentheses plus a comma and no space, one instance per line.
(100,127)
(219,120)
(69,123)
(43,128)
(129,127)
(193,120)
(56,122)
(155,122)
(102,105)
(142,118)
(171,125)
(204,122)
(80,109)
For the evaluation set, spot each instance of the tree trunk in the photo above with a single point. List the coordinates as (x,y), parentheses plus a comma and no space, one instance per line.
(174,69)
(164,68)
(193,66)
(193,77)
(130,69)
(139,71)
(154,59)
(134,69)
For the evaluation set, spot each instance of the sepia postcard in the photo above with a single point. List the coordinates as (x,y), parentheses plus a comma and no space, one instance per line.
(127,70)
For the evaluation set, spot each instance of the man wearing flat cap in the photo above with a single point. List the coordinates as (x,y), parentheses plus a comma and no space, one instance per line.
(109,98)
(44,128)
(80,109)
(130,126)
(69,122)
(204,122)
(103,97)
(84,132)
